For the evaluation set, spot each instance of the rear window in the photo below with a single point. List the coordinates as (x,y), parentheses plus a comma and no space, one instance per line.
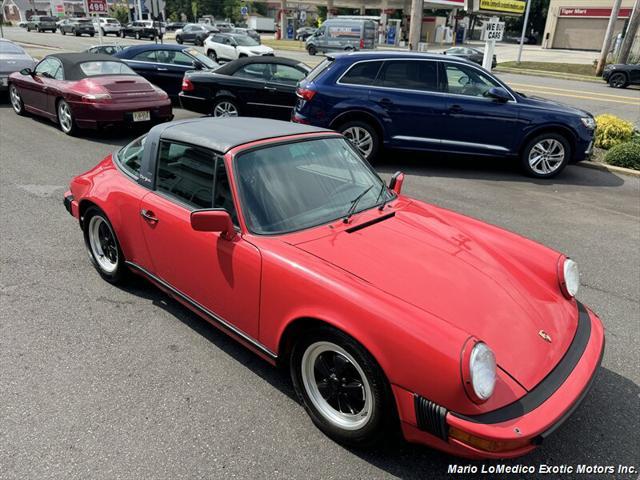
(315,73)
(47,19)
(363,73)
(94,69)
(85,21)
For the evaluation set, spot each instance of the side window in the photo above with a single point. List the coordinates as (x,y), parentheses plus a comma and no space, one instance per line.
(287,74)
(223,198)
(130,156)
(463,80)
(58,72)
(254,71)
(48,68)
(148,56)
(363,73)
(174,57)
(410,75)
(186,172)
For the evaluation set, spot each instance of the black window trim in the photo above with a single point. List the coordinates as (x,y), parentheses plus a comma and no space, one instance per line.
(118,162)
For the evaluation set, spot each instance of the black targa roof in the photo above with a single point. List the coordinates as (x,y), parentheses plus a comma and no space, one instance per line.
(71,62)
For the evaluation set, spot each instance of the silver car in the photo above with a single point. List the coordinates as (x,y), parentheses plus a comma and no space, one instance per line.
(12,59)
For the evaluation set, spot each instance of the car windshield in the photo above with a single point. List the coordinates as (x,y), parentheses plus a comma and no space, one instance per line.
(245,41)
(94,69)
(7,47)
(285,188)
(206,61)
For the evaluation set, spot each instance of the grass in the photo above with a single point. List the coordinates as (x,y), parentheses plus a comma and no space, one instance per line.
(284,44)
(570,68)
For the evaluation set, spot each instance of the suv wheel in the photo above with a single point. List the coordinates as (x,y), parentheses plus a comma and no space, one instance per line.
(618,80)
(546,155)
(212,55)
(312,50)
(363,136)
(179,40)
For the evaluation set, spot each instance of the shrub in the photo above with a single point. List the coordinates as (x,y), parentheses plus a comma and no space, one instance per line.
(612,131)
(624,155)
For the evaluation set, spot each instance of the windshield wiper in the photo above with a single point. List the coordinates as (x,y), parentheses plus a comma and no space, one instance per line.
(384,200)
(354,204)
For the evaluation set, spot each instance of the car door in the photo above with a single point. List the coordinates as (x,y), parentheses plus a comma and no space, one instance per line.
(248,85)
(228,49)
(407,91)
(634,73)
(476,123)
(145,65)
(53,85)
(222,276)
(33,90)
(171,66)
(281,89)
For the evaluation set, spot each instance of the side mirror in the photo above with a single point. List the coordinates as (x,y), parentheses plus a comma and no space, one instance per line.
(197,65)
(499,94)
(213,220)
(26,71)
(396,182)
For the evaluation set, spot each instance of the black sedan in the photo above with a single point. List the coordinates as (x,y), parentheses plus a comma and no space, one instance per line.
(141,29)
(252,86)
(165,65)
(622,75)
(195,33)
(77,27)
(472,54)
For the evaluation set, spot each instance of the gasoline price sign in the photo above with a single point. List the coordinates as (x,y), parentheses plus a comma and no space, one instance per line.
(494,31)
(97,6)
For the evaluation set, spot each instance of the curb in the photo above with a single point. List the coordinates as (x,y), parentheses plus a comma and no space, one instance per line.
(610,168)
(544,73)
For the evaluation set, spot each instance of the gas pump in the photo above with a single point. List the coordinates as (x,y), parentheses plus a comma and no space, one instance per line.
(393,31)
(289,28)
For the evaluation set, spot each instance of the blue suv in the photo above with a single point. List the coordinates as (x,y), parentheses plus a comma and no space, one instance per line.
(437,103)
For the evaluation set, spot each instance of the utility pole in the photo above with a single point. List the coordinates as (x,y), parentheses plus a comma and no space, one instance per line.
(415,26)
(632,29)
(606,44)
(524,29)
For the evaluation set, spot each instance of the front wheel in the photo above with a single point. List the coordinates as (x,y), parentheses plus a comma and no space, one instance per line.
(312,50)
(341,386)
(16,100)
(122,35)
(102,246)
(179,40)
(618,80)
(137,35)
(63,32)
(546,155)
(363,136)
(212,55)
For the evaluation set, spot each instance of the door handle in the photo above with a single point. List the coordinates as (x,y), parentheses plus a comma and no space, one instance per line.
(161,69)
(387,102)
(148,216)
(271,89)
(456,109)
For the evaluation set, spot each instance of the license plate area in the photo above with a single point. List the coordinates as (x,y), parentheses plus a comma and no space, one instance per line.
(143,116)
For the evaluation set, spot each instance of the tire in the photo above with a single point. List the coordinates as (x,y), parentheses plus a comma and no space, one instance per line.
(618,80)
(137,35)
(179,40)
(122,35)
(103,247)
(16,100)
(363,136)
(212,55)
(546,155)
(93,34)
(199,42)
(28,29)
(66,122)
(225,107)
(312,50)
(351,374)
(75,33)
(63,32)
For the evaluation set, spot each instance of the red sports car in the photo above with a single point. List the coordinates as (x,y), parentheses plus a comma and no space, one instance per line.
(82,90)
(387,310)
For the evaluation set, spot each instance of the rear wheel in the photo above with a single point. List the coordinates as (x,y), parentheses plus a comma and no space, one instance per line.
(225,107)
(618,80)
(546,155)
(16,100)
(341,386)
(179,40)
(137,35)
(199,42)
(212,55)
(363,136)
(65,118)
(63,32)
(312,50)
(103,246)
(122,35)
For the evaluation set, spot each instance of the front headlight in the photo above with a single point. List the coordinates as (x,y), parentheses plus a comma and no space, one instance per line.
(569,278)
(589,122)
(482,371)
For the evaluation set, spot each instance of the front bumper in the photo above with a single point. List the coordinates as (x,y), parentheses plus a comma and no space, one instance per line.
(518,428)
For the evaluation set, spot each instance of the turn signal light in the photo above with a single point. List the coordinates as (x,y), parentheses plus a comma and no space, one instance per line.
(305,93)
(187,85)
(486,444)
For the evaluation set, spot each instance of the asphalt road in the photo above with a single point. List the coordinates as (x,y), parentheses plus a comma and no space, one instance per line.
(101,382)
(594,97)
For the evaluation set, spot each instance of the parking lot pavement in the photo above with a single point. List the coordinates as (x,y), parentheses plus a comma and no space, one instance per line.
(102,382)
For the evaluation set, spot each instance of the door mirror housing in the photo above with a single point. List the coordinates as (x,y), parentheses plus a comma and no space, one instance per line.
(213,220)
(396,182)
(26,71)
(499,94)
(197,65)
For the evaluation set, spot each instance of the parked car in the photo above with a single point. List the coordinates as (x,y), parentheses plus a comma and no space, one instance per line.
(338,34)
(283,237)
(77,27)
(23,24)
(165,65)
(249,32)
(108,25)
(173,26)
(253,86)
(195,33)
(444,104)
(106,48)
(41,23)
(141,29)
(472,54)
(621,75)
(224,27)
(13,58)
(230,46)
(515,38)
(83,90)
(305,32)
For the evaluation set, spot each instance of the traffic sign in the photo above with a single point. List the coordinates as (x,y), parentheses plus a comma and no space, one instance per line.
(303,16)
(244,11)
(97,6)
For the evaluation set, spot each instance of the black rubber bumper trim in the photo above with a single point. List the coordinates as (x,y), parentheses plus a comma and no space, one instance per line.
(67,203)
(431,417)
(547,387)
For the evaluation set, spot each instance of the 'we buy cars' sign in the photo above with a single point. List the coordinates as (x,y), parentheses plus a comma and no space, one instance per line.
(97,6)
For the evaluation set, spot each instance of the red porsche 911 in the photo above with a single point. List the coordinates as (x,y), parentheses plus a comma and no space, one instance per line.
(388,311)
(82,90)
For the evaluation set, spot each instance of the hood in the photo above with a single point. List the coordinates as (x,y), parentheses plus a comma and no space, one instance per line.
(15,63)
(422,259)
(258,48)
(551,105)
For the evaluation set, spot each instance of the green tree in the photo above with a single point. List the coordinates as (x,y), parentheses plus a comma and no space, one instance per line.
(537,18)
(120,13)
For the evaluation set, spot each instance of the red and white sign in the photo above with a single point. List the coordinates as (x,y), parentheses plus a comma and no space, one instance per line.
(593,12)
(97,6)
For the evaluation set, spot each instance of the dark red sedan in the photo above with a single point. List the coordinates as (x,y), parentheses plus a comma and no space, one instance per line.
(389,312)
(81,90)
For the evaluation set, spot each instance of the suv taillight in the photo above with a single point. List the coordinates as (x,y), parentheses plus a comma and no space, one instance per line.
(187,86)
(305,93)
